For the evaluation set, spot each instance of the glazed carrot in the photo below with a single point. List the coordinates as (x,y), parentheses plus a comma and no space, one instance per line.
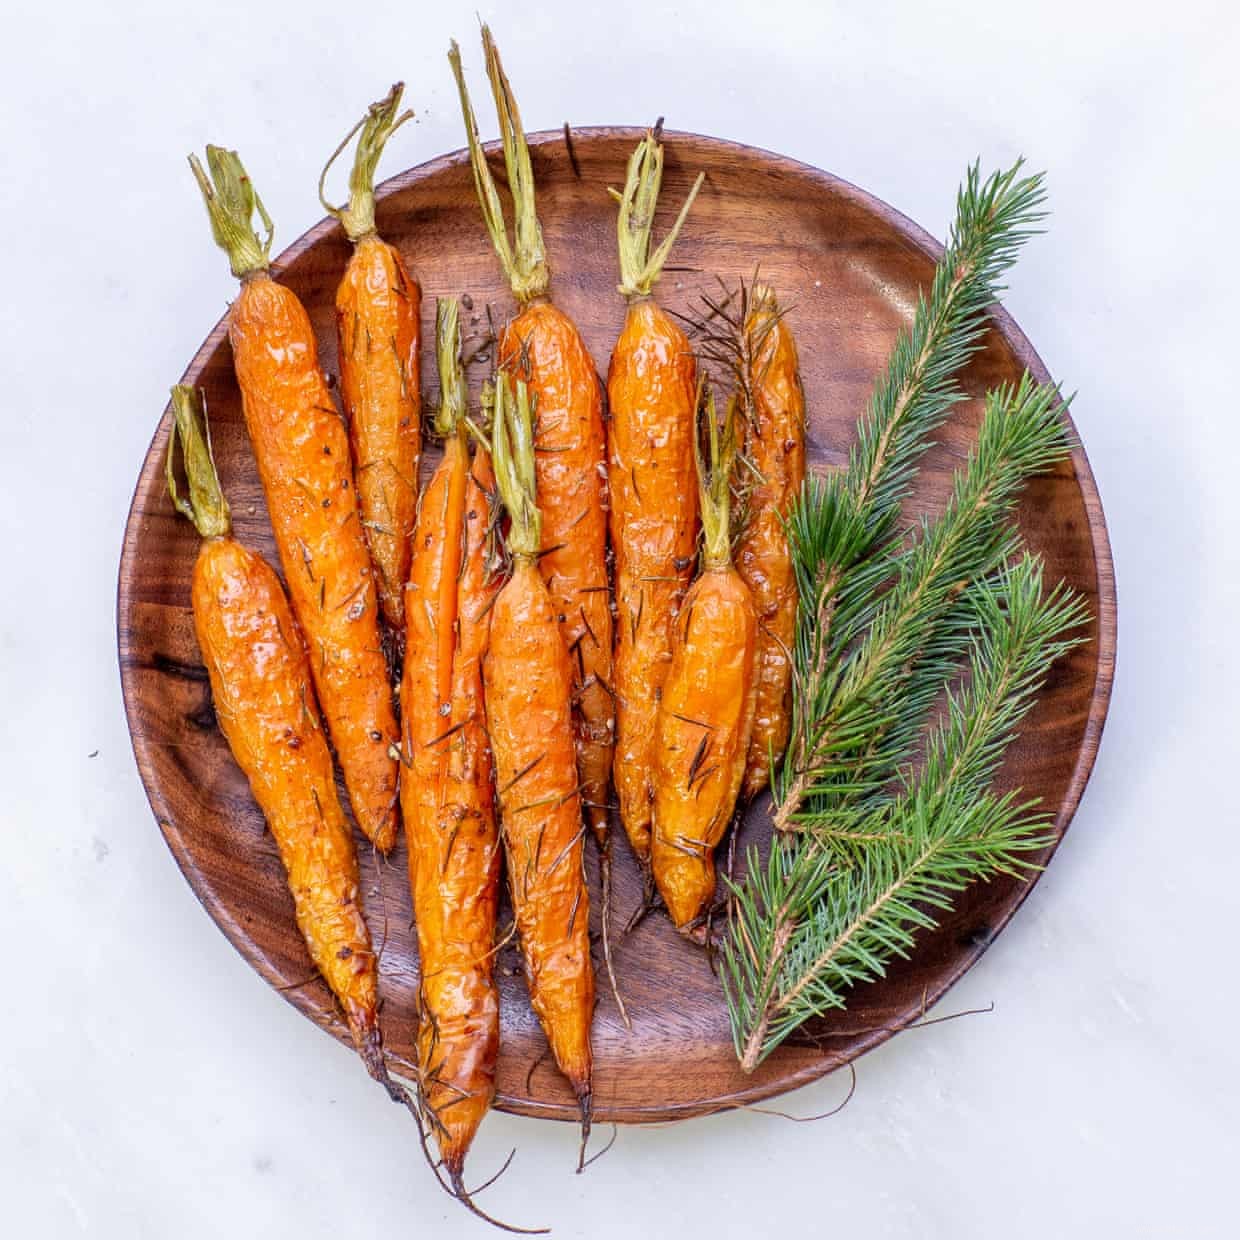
(774,446)
(264,702)
(543,347)
(707,710)
(302,450)
(651,387)
(446,791)
(528,678)
(379,336)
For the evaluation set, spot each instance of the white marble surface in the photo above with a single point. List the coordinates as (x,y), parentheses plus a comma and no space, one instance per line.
(152,1086)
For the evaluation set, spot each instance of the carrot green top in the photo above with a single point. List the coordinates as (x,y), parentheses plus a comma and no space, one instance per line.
(206,506)
(231,203)
(524,260)
(450,417)
(512,438)
(714,480)
(639,269)
(383,118)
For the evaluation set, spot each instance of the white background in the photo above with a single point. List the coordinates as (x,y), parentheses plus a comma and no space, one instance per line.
(152,1086)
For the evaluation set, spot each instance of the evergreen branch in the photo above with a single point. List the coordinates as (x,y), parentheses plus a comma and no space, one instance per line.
(918,390)
(883,844)
(855,715)
(830,908)
(869,912)
(841,529)
(777,897)
(1021,631)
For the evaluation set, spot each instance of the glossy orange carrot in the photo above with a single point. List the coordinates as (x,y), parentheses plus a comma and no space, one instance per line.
(707,709)
(446,789)
(265,705)
(542,347)
(774,446)
(377,327)
(651,387)
(302,450)
(528,677)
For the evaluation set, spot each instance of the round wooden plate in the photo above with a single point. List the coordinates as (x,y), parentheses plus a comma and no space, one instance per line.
(850,267)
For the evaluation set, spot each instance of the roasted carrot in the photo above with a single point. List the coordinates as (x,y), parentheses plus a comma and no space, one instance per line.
(774,448)
(651,386)
(707,709)
(377,328)
(264,701)
(302,450)
(542,347)
(446,790)
(527,673)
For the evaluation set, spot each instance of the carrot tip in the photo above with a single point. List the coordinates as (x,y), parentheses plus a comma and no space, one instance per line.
(370,1047)
(585,1100)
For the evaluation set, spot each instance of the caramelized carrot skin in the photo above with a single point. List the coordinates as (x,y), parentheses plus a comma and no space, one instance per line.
(264,701)
(542,346)
(379,333)
(302,450)
(447,798)
(430,649)
(775,445)
(704,726)
(651,387)
(528,683)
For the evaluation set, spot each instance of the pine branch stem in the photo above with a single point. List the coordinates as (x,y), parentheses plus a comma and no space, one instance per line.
(752,1054)
(795,761)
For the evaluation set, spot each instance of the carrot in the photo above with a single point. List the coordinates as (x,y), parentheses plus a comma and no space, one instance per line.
(379,336)
(707,709)
(542,347)
(302,450)
(528,678)
(264,702)
(446,792)
(774,447)
(651,387)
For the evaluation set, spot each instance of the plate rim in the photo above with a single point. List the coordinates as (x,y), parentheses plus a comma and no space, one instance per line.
(1100,694)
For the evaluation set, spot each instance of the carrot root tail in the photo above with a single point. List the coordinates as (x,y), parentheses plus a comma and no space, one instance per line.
(461,1193)
(454,1166)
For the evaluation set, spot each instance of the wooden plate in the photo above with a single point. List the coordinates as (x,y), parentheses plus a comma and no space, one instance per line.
(851,268)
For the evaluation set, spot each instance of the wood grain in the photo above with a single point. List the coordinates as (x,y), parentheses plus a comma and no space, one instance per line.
(851,268)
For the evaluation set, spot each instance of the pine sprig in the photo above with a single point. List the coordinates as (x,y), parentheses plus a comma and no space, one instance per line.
(842,528)
(882,842)
(857,712)
(1021,630)
(829,909)
(856,918)
(993,220)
